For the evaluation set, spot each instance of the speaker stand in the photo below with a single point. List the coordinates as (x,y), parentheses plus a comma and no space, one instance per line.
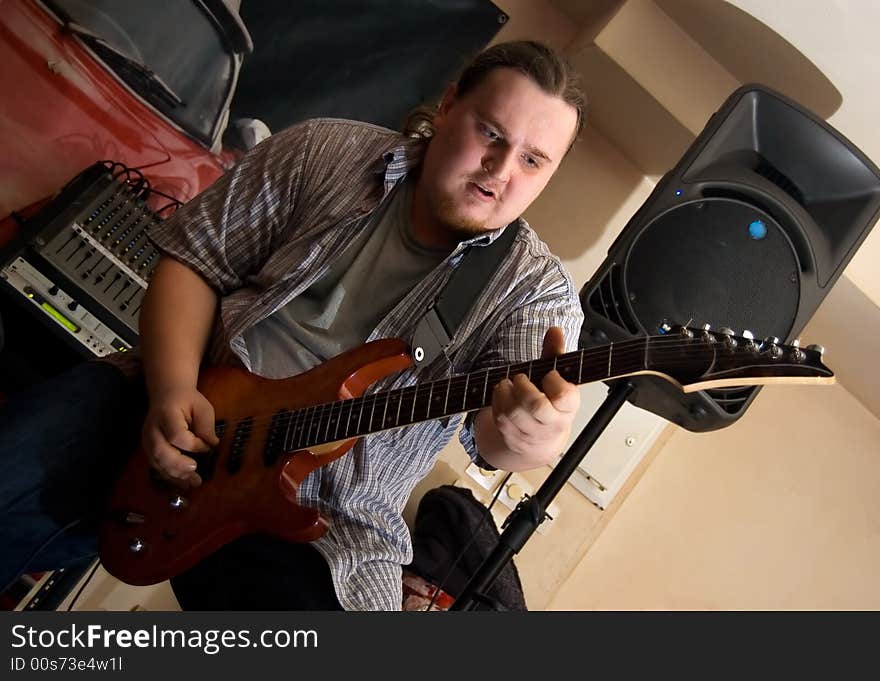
(530,513)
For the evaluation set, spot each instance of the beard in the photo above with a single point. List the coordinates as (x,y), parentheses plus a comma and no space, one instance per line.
(455,219)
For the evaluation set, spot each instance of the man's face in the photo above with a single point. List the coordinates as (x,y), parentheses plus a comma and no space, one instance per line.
(493,151)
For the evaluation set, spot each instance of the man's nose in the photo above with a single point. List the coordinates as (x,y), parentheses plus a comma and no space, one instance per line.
(499,164)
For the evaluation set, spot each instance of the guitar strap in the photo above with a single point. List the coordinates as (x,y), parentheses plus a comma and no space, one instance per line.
(436,329)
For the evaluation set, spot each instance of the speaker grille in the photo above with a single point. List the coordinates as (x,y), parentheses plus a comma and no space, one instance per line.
(699,264)
(767,170)
(608,301)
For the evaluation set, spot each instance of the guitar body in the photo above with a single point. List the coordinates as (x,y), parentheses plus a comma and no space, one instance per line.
(154,530)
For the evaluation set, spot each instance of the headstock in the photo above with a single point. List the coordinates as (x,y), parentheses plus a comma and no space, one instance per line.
(700,359)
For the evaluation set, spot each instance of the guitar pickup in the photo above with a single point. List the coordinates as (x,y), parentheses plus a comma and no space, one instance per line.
(206,462)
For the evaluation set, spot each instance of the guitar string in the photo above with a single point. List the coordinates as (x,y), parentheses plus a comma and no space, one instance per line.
(453,383)
(565,361)
(303,427)
(624,350)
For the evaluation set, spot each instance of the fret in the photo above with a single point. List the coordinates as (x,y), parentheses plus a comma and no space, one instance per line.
(372,411)
(581,368)
(295,436)
(430,392)
(399,404)
(423,394)
(315,425)
(485,385)
(308,425)
(446,399)
(303,427)
(350,425)
(325,414)
(329,421)
(339,420)
(467,378)
(530,371)
(385,409)
(357,431)
(287,441)
(610,350)
(412,415)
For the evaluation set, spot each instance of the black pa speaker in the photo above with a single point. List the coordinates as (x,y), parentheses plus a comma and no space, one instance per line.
(749,230)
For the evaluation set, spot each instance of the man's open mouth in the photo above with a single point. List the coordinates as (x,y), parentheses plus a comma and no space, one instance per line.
(483,190)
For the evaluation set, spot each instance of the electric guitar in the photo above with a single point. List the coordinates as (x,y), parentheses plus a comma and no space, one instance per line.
(273,433)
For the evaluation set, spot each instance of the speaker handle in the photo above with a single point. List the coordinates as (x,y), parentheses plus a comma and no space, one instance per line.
(753,189)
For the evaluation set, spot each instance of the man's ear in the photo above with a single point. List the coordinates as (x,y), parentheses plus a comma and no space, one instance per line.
(445,103)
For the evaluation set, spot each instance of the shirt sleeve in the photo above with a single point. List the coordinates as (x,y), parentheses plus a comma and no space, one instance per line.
(229,231)
(520,337)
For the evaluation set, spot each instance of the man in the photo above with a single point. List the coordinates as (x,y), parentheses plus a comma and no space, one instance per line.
(327,235)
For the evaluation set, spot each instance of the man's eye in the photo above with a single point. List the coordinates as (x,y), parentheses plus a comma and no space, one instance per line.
(530,161)
(491,134)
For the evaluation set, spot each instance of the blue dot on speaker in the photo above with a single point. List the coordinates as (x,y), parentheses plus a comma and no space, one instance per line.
(757,230)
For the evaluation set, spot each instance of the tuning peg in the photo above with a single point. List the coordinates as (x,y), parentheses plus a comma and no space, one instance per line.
(685,332)
(728,337)
(797,354)
(816,348)
(750,339)
(708,337)
(773,343)
(665,328)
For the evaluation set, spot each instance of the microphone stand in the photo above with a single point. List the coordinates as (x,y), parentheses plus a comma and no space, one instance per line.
(530,513)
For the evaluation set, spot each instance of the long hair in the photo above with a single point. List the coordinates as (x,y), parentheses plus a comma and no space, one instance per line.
(549,70)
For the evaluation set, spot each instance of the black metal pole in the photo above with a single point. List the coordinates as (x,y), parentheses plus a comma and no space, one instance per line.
(530,513)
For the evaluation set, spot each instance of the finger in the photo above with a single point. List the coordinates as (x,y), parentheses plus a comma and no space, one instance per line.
(503,404)
(203,423)
(502,398)
(177,432)
(554,342)
(168,460)
(564,396)
(531,406)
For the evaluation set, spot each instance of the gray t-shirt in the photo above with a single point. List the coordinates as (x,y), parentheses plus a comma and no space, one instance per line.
(341,309)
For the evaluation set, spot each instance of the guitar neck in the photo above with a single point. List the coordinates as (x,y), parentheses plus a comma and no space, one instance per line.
(380,411)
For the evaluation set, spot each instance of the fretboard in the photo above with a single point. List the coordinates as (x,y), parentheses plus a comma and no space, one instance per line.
(372,413)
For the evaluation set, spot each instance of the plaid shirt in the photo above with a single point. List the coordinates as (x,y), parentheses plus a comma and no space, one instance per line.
(269,228)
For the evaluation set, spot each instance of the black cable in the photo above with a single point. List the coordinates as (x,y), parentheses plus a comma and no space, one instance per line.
(112,165)
(486,514)
(140,183)
(176,205)
(175,201)
(84,584)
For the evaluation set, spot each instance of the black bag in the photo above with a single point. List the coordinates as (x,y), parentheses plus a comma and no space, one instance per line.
(446,519)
